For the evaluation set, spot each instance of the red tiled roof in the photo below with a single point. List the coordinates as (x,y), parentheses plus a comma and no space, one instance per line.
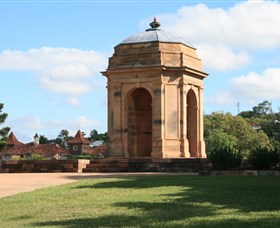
(79,139)
(12,141)
(46,150)
(97,150)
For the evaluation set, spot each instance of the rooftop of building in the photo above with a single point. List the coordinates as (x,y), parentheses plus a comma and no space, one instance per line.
(47,150)
(154,34)
(78,139)
(12,140)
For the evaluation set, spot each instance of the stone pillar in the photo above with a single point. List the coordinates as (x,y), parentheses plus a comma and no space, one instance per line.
(116,144)
(158,121)
(202,150)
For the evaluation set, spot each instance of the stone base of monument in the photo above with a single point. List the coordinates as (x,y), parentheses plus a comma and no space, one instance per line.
(149,165)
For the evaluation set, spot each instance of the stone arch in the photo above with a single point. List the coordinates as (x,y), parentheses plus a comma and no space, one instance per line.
(138,108)
(192,123)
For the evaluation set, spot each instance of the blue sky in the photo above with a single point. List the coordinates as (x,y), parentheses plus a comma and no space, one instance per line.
(52,52)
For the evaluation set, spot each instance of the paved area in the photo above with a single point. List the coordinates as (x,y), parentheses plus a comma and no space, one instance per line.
(14,183)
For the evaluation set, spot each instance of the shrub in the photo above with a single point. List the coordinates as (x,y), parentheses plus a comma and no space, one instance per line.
(16,158)
(38,157)
(225,158)
(263,158)
(82,156)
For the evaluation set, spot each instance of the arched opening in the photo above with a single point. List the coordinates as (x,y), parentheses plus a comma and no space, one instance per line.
(139,123)
(192,125)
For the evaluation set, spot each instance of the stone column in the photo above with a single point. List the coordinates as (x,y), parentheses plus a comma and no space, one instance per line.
(201,127)
(115,123)
(157,120)
(183,120)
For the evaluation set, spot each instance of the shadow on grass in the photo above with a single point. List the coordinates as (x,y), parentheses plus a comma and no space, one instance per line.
(243,193)
(131,221)
(199,200)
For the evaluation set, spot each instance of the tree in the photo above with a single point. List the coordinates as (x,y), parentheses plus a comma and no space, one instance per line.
(266,120)
(263,108)
(43,140)
(4,130)
(228,130)
(93,135)
(62,138)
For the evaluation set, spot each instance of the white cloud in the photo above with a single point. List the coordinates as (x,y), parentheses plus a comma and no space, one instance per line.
(226,34)
(28,123)
(83,123)
(26,127)
(73,87)
(60,70)
(221,97)
(221,57)
(250,24)
(73,101)
(259,86)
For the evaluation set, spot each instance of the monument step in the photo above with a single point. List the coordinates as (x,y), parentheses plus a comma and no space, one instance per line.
(107,169)
(111,164)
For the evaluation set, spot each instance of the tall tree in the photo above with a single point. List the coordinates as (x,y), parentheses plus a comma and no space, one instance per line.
(43,140)
(265,119)
(263,108)
(225,129)
(93,135)
(4,130)
(62,138)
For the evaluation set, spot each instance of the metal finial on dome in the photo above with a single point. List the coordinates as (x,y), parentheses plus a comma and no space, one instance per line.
(154,25)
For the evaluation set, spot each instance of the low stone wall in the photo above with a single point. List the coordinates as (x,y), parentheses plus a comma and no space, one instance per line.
(44,166)
(169,165)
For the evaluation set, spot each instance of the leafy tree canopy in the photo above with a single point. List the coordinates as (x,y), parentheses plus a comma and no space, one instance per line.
(265,119)
(3,130)
(227,130)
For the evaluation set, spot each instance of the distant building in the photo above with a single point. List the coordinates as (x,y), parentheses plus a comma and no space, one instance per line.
(18,150)
(79,144)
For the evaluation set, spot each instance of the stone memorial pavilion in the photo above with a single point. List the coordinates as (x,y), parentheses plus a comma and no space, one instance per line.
(155,97)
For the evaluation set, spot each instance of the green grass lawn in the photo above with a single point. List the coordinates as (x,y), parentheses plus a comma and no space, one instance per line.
(171,201)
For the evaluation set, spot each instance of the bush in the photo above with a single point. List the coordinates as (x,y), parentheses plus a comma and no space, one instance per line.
(38,157)
(16,158)
(225,158)
(83,156)
(263,158)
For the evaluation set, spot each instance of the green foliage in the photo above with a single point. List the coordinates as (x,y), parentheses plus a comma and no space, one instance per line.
(225,158)
(4,130)
(263,108)
(43,140)
(262,158)
(16,158)
(228,130)
(62,138)
(263,116)
(38,157)
(217,139)
(82,156)
(95,136)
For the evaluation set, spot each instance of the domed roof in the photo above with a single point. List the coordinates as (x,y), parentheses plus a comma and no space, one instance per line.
(154,35)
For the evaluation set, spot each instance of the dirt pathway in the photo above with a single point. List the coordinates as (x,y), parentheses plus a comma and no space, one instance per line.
(14,183)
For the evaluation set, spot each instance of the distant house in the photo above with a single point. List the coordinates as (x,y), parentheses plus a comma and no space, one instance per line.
(256,126)
(99,151)
(18,150)
(79,144)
